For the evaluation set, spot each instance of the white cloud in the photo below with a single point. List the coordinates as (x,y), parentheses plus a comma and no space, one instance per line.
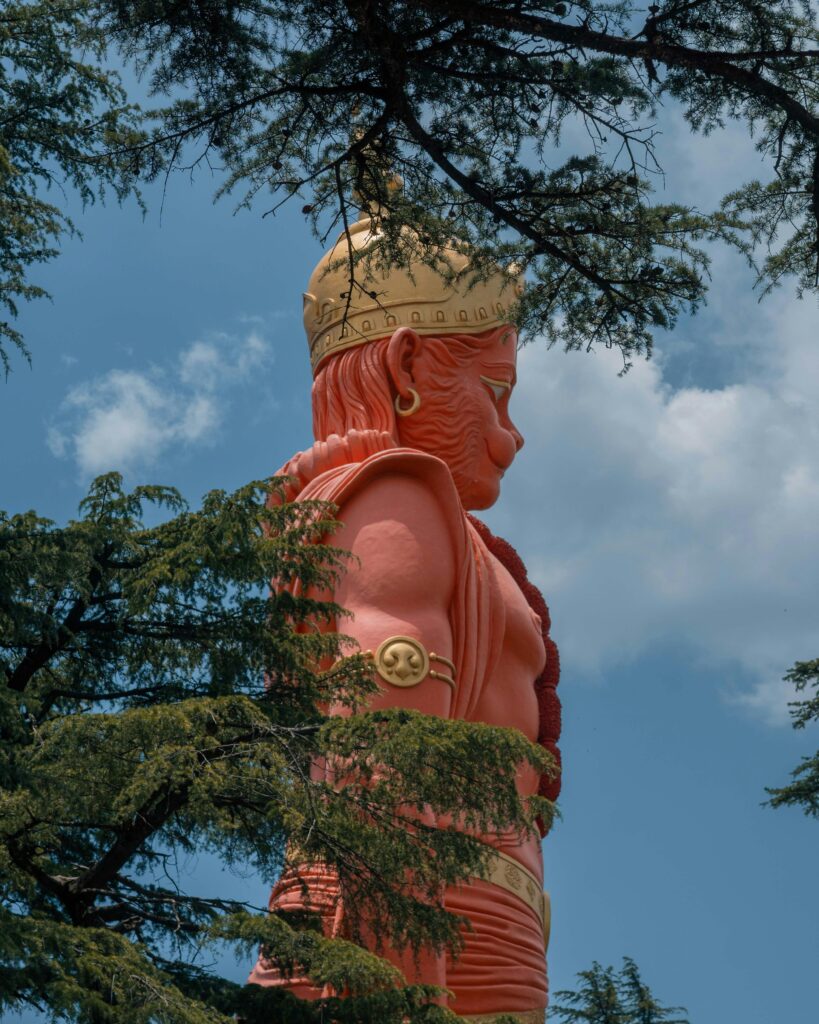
(650,514)
(129,418)
(200,364)
(220,359)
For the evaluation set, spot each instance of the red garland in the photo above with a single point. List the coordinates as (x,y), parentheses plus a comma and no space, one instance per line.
(546,683)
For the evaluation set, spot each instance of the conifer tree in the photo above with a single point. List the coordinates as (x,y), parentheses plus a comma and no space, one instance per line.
(804,790)
(62,114)
(606,996)
(157,700)
(470,102)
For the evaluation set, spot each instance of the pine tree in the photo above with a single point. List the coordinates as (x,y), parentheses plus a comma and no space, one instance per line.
(468,101)
(606,996)
(804,790)
(158,700)
(640,1003)
(62,114)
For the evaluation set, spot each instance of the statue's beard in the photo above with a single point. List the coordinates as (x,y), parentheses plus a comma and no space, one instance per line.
(447,426)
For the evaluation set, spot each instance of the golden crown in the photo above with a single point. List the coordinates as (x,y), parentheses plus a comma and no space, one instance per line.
(417,297)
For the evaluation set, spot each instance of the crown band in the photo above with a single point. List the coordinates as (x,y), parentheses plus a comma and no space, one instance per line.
(419,298)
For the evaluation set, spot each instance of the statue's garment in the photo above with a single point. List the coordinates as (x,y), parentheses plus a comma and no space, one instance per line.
(502,967)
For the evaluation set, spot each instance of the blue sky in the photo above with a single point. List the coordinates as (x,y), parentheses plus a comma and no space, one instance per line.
(671,518)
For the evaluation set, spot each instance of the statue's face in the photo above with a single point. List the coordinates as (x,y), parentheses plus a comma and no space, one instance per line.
(464,418)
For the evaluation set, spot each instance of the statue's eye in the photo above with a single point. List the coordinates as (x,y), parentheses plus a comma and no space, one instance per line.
(498,387)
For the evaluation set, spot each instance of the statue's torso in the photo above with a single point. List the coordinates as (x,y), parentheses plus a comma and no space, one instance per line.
(503,931)
(509,699)
(499,652)
(501,683)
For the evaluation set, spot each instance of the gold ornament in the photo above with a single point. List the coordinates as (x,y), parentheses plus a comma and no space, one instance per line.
(547,919)
(382,301)
(449,680)
(511,875)
(413,407)
(404,661)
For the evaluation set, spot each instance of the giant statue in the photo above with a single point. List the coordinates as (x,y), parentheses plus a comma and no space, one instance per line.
(414,376)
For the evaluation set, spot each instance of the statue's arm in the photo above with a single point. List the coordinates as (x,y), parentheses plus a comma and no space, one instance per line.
(401,578)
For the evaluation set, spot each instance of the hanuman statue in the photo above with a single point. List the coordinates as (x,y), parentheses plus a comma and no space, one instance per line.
(413,380)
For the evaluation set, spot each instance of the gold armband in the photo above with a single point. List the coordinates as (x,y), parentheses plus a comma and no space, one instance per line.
(404,661)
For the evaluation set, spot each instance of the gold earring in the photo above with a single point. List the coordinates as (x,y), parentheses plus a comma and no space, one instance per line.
(414,406)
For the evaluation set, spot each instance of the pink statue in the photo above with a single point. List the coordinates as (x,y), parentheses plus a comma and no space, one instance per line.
(413,380)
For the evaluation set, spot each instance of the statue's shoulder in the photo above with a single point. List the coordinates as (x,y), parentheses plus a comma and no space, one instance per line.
(401,518)
(385,481)
(339,467)
(400,467)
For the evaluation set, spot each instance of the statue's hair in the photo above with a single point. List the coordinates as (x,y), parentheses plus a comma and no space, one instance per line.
(353,390)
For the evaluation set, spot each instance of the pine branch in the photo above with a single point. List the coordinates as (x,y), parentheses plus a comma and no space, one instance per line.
(714,63)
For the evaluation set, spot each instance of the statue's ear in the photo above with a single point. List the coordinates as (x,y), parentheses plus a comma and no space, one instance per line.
(402,351)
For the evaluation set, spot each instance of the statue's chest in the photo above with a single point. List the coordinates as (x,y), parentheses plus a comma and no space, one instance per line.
(509,698)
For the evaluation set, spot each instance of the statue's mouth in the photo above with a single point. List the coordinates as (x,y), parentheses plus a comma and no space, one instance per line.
(501,467)
(500,464)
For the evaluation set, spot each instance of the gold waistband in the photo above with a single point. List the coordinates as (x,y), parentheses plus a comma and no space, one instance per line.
(505,872)
(511,875)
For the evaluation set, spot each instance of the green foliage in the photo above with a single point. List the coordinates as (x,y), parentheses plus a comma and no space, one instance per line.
(157,700)
(471,102)
(606,996)
(804,790)
(62,114)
